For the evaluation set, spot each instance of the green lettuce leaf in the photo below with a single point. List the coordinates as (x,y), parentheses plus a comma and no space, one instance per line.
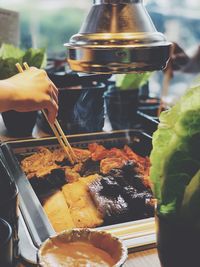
(10,51)
(132,80)
(10,55)
(175,156)
(35,57)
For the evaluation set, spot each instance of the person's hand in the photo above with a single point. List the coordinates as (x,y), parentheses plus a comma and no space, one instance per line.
(33,90)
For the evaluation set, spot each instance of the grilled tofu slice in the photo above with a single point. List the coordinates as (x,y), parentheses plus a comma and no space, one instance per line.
(58,212)
(82,208)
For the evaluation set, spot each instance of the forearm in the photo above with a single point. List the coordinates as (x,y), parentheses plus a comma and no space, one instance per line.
(7,92)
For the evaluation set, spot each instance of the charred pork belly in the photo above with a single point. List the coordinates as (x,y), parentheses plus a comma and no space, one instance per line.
(128,175)
(132,188)
(118,175)
(90,167)
(133,176)
(106,195)
(140,203)
(49,182)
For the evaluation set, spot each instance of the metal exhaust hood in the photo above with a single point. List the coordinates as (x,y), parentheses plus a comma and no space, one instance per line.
(118,36)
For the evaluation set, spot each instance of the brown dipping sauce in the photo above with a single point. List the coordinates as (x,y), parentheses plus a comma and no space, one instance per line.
(75,254)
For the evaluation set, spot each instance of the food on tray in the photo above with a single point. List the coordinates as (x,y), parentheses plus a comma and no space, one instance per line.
(58,212)
(139,200)
(175,158)
(108,164)
(82,154)
(81,205)
(44,161)
(41,163)
(49,182)
(107,196)
(106,186)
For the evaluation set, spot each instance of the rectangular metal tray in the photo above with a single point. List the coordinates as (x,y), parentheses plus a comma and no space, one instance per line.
(34,224)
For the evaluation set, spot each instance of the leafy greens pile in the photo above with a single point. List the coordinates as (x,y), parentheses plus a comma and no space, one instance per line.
(10,55)
(175,159)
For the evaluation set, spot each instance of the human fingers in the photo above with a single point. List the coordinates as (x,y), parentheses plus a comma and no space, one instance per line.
(54,96)
(55,89)
(52,110)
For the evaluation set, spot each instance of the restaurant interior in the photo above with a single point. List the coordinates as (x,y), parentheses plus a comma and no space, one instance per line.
(113,180)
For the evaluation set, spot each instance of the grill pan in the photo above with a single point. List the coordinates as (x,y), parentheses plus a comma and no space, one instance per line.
(34,224)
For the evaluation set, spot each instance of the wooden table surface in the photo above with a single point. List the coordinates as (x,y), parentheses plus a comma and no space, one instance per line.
(145,258)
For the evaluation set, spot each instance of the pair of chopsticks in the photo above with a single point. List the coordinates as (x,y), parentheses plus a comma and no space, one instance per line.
(56,128)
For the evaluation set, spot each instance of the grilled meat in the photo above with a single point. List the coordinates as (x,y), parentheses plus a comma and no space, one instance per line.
(128,175)
(142,163)
(105,192)
(71,175)
(48,183)
(90,167)
(117,153)
(98,152)
(39,164)
(82,154)
(108,164)
(42,162)
(139,202)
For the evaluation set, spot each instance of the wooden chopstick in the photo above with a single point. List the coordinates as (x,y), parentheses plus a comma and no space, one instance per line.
(60,140)
(56,128)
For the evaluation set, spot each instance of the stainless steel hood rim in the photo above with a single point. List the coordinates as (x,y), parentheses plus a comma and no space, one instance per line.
(117,47)
(100,69)
(117,39)
(121,59)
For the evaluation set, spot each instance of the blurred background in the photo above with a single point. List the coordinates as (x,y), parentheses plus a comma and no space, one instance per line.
(50,23)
